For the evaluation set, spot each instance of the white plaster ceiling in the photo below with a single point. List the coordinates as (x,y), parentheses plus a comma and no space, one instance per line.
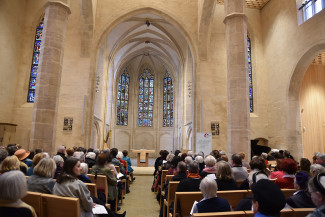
(133,38)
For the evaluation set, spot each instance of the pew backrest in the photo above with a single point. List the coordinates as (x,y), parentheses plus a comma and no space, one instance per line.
(184,201)
(233,197)
(221,214)
(171,191)
(169,177)
(101,183)
(56,206)
(93,189)
(34,200)
(162,179)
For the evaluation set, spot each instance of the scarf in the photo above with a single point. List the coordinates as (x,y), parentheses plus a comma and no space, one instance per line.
(193,175)
(210,169)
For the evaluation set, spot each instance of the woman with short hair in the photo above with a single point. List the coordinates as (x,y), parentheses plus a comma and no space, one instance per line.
(12,189)
(42,179)
(36,160)
(59,161)
(210,166)
(289,167)
(316,188)
(316,169)
(225,178)
(210,201)
(10,163)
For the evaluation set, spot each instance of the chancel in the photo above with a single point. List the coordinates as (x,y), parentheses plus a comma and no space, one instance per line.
(151,77)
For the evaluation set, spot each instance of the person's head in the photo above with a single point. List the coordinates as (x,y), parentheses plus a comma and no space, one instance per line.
(181,167)
(199,159)
(201,153)
(316,169)
(164,154)
(236,160)
(289,166)
(210,161)
(193,167)
(125,153)
(13,185)
(215,154)
(301,180)
(175,161)
(70,170)
(170,157)
(58,160)
(45,168)
(70,152)
(305,164)
(82,149)
(268,198)
(177,152)
(80,155)
(22,154)
(264,155)
(83,168)
(316,188)
(320,158)
(114,152)
(3,154)
(90,150)
(208,187)
(101,159)
(38,150)
(224,158)
(91,155)
(188,160)
(286,154)
(37,158)
(257,163)
(61,149)
(10,163)
(12,149)
(190,153)
(224,171)
(119,155)
(31,155)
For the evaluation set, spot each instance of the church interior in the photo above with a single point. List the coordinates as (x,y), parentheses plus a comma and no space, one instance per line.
(139,74)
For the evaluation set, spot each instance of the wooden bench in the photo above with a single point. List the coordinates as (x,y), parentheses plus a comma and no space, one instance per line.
(34,200)
(54,206)
(162,182)
(93,189)
(302,212)
(283,213)
(167,179)
(221,214)
(171,196)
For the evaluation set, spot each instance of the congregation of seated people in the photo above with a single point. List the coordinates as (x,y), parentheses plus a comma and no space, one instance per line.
(65,174)
(195,172)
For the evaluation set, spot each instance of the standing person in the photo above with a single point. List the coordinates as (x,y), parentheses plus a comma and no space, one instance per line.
(129,164)
(13,187)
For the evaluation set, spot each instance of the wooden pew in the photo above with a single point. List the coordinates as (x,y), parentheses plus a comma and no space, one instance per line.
(287,192)
(34,200)
(221,214)
(302,212)
(239,182)
(283,213)
(54,206)
(162,182)
(117,169)
(93,189)
(167,179)
(171,196)
(185,200)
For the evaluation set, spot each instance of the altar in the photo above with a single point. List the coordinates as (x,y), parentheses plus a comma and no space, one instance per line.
(142,156)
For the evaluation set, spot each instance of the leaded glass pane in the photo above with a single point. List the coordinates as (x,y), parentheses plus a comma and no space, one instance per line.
(146,91)
(35,62)
(250,80)
(168,101)
(122,99)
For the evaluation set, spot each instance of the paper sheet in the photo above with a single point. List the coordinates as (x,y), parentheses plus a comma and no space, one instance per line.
(212,176)
(119,175)
(99,209)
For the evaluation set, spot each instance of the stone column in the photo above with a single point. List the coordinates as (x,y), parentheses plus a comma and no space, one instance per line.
(237,80)
(43,129)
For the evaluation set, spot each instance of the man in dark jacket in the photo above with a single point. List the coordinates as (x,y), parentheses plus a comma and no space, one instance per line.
(192,182)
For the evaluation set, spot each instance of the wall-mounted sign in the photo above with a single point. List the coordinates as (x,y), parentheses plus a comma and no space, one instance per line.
(215,128)
(67,124)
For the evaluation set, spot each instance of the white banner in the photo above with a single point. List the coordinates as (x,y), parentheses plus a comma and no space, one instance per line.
(204,143)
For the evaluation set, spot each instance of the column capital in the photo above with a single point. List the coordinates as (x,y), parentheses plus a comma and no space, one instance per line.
(235,14)
(58,3)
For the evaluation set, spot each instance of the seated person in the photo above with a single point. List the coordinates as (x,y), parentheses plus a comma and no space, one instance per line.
(210,201)
(289,167)
(11,163)
(83,173)
(181,172)
(278,173)
(268,199)
(316,188)
(240,172)
(36,160)
(42,180)
(210,167)
(192,182)
(225,178)
(129,164)
(12,188)
(59,161)
(90,159)
(300,199)
(22,155)
(200,161)
(316,169)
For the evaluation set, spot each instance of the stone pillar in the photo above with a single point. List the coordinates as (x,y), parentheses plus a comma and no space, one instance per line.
(43,129)
(237,78)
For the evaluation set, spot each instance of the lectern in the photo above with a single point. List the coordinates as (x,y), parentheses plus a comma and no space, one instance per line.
(143,157)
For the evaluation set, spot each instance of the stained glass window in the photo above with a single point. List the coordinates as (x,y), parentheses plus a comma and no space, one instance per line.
(145,106)
(250,78)
(35,62)
(168,116)
(123,99)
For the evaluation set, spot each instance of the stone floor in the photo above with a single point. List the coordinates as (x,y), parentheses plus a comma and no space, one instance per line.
(141,202)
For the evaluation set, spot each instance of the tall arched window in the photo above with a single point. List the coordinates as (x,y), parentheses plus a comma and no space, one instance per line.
(145,107)
(35,61)
(250,78)
(123,99)
(168,116)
